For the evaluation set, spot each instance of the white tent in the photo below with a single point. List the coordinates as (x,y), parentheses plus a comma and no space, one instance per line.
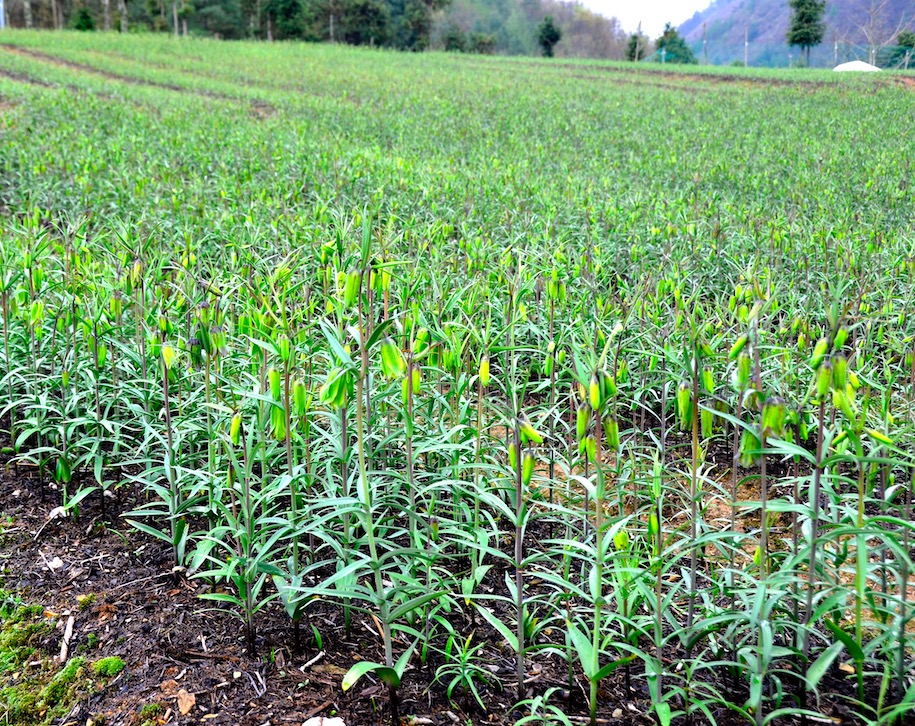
(856,66)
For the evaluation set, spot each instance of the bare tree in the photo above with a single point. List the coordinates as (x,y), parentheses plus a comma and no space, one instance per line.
(879,30)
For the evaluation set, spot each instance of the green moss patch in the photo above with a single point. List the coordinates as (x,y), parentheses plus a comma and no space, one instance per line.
(33,688)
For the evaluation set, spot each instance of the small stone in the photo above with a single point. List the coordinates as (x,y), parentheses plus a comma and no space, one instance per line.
(617,713)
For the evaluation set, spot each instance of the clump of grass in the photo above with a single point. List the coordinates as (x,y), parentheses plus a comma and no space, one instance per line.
(108,667)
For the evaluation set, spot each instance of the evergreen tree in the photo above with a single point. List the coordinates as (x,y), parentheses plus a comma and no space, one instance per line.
(807,27)
(673,47)
(637,47)
(548,35)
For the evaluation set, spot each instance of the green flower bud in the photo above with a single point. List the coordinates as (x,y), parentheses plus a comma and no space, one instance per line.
(582,415)
(773,416)
(819,352)
(841,337)
(351,288)
(738,346)
(707,422)
(299,398)
(235,429)
(278,422)
(613,432)
(484,371)
(621,540)
(839,371)
(684,405)
(594,392)
(392,362)
(275,380)
(749,449)
(527,469)
(528,432)
(823,380)
(743,372)
(284,348)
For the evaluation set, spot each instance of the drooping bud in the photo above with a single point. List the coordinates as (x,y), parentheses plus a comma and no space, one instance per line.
(527,469)
(275,380)
(299,398)
(392,362)
(773,416)
(528,432)
(278,422)
(169,356)
(743,372)
(819,352)
(513,457)
(841,337)
(484,371)
(621,540)
(839,371)
(749,449)
(654,526)
(351,288)
(284,348)
(842,402)
(707,422)
(612,428)
(582,415)
(594,393)
(823,380)
(708,381)
(738,346)
(235,429)
(684,405)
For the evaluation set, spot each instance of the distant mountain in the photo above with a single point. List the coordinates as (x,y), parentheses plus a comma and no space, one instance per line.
(764,23)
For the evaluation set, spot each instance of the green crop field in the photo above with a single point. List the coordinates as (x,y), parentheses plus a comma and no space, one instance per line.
(566,391)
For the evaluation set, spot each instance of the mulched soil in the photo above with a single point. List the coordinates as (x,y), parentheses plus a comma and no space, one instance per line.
(173,642)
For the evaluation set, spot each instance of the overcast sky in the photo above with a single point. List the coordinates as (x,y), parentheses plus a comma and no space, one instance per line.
(651,13)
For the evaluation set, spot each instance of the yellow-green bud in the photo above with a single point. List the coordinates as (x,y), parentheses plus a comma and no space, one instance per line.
(484,371)
(581,421)
(299,398)
(738,346)
(351,288)
(275,380)
(528,432)
(235,429)
(278,422)
(823,380)
(743,372)
(392,362)
(773,416)
(819,352)
(841,337)
(684,404)
(613,432)
(527,469)
(284,348)
(839,371)
(594,392)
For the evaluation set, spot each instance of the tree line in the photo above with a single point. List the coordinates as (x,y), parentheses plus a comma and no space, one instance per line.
(481,26)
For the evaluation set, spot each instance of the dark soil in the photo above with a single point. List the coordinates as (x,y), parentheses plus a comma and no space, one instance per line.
(127,602)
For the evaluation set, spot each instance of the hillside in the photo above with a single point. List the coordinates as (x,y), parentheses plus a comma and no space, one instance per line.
(850,23)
